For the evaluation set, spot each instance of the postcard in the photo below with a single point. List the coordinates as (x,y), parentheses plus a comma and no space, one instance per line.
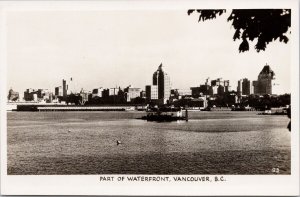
(149,97)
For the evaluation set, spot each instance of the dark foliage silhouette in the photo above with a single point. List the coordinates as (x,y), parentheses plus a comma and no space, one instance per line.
(265,25)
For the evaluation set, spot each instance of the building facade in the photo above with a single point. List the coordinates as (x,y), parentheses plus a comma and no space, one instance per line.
(65,89)
(97,92)
(131,93)
(162,80)
(58,91)
(219,87)
(151,92)
(263,85)
(244,87)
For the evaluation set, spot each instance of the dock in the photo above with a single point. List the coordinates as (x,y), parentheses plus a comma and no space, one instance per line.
(41,108)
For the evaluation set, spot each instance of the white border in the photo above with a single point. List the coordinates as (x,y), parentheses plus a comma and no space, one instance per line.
(89,184)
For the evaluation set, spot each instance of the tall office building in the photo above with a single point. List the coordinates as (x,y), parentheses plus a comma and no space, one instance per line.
(263,85)
(219,87)
(65,89)
(162,80)
(151,92)
(131,93)
(244,87)
(58,91)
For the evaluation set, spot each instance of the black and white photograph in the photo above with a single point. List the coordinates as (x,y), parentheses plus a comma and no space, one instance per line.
(188,94)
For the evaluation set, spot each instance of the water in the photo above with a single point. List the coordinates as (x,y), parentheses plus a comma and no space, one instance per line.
(85,143)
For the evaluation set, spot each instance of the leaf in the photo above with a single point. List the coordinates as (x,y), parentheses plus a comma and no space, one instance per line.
(190,11)
(236,34)
(244,46)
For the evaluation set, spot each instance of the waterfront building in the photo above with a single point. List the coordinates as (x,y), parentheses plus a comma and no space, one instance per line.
(201,90)
(110,92)
(84,95)
(50,97)
(143,94)
(113,91)
(180,93)
(162,80)
(196,92)
(71,88)
(200,103)
(97,92)
(244,87)
(43,94)
(227,87)
(62,91)
(113,96)
(213,90)
(184,92)
(220,90)
(131,93)
(151,92)
(65,89)
(12,95)
(29,94)
(263,85)
(219,87)
(58,91)
(37,95)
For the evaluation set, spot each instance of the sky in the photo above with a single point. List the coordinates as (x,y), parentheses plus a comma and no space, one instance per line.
(121,48)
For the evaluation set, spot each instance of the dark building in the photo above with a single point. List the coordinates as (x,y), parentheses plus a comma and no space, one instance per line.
(30,95)
(65,89)
(219,87)
(221,90)
(113,96)
(244,87)
(162,81)
(143,94)
(263,85)
(201,90)
(37,95)
(58,91)
(151,92)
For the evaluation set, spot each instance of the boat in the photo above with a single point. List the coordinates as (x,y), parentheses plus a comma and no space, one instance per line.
(165,114)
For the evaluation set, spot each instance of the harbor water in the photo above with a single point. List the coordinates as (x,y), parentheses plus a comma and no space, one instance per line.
(85,143)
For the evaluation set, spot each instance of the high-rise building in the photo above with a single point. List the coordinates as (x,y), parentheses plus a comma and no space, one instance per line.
(162,80)
(143,94)
(219,87)
(201,90)
(151,92)
(244,87)
(131,93)
(65,89)
(71,87)
(58,91)
(263,85)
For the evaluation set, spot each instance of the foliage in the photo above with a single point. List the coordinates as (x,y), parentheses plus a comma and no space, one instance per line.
(265,25)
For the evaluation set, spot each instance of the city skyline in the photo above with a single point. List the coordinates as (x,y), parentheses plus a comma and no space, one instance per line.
(97,55)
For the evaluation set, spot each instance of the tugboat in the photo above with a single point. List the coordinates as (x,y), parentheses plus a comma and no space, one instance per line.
(165,114)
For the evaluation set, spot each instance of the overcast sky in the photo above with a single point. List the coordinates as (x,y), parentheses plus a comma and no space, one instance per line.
(121,48)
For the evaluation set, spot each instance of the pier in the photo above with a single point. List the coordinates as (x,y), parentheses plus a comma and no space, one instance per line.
(40,108)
